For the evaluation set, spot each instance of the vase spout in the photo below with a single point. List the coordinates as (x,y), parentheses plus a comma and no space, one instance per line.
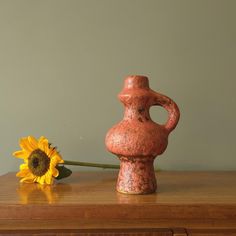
(136,82)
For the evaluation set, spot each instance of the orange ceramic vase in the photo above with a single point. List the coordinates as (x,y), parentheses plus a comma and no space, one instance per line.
(137,140)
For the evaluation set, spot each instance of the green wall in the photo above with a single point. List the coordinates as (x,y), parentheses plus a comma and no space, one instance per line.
(63,62)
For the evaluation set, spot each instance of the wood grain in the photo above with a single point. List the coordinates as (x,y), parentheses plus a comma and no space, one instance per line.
(179,232)
(212,232)
(88,200)
(113,232)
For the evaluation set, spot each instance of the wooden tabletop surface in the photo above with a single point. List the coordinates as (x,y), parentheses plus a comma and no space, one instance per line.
(89,199)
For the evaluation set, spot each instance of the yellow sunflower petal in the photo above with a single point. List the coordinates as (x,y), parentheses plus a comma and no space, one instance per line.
(52,151)
(22,173)
(24,166)
(46,148)
(48,178)
(37,178)
(43,144)
(21,154)
(55,172)
(25,145)
(53,163)
(41,139)
(29,178)
(56,158)
(33,142)
(41,180)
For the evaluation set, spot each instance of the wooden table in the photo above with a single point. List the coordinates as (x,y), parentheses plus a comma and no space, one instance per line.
(186,203)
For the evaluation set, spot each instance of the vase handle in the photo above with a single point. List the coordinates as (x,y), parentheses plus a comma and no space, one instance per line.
(170,106)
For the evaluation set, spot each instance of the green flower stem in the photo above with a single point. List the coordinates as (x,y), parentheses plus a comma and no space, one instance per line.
(89,164)
(78,163)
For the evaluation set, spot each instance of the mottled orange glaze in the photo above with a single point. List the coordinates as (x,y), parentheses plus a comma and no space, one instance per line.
(136,175)
(137,140)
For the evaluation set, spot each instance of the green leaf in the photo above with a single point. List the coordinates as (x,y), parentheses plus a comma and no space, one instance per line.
(63,172)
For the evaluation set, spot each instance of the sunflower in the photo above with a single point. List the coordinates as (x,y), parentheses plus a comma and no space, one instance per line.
(40,160)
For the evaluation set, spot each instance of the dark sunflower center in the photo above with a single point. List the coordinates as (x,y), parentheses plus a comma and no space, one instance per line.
(35,162)
(38,162)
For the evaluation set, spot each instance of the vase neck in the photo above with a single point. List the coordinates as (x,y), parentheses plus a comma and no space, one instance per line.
(137,113)
(136,98)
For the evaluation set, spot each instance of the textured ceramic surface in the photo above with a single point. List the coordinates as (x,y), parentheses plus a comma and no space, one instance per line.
(137,140)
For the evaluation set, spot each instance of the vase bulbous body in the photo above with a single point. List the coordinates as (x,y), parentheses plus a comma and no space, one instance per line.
(137,140)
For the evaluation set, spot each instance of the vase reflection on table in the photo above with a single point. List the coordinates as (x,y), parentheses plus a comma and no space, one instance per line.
(137,140)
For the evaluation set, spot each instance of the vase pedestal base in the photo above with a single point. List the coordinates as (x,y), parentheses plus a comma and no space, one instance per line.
(136,175)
